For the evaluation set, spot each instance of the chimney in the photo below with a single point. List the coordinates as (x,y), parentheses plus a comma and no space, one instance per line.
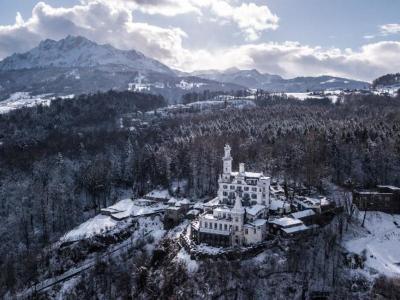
(241,168)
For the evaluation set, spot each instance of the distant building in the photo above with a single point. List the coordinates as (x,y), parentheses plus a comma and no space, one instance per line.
(384,198)
(319,205)
(306,216)
(158,196)
(177,210)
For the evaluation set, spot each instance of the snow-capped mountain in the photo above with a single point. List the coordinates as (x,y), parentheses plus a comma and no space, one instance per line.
(275,83)
(76,65)
(249,78)
(79,52)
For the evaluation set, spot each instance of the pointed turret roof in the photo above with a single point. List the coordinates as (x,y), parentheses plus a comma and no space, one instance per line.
(238,205)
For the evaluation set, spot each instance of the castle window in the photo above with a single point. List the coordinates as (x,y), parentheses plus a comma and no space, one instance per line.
(220,226)
(232,187)
(225,187)
(236,219)
(254,189)
(246,188)
(205,224)
(237,228)
(239,182)
(225,227)
(253,196)
(246,231)
(225,193)
(215,226)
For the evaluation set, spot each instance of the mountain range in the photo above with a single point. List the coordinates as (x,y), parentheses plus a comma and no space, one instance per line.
(76,65)
(275,83)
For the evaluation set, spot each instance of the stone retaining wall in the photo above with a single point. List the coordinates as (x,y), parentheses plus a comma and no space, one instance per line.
(236,253)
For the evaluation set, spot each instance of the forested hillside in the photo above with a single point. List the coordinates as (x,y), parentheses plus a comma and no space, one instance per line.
(387,80)
(62,163)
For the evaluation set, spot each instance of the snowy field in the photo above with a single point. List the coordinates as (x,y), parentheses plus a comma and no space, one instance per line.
(23,99)
(380,241)
(332,95)
(103,223)
(93,226)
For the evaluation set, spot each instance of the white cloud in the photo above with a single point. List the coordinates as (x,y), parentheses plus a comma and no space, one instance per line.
(108,21)
(292,59)
(252,19)
(98,20)
(249,17)
(389,29)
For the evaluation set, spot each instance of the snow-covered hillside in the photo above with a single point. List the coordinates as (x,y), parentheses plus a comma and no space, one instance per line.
(24,99)
(275,83)
(378,242)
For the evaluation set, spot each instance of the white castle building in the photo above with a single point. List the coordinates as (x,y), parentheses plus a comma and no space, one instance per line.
(237,216)
(252,188)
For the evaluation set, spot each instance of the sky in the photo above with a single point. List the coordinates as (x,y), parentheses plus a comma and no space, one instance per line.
(357,39)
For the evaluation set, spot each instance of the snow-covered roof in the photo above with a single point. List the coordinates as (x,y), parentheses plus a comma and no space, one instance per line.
(120,206)
(260,222)
(212,202)
(286,222)
(174,208)
(183,201)
(159,194)
(249,174)
(255,209)
(222,210)
(91,227)
(295,229)
(172,201)
(209,216)
(278,204)
(390,187)
(313,202)
(198,205)
(193,212)
(276,189)
(303,214)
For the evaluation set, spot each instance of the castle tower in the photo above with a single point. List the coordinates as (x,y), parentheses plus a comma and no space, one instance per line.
(227,163)
(238,213)
(238,207)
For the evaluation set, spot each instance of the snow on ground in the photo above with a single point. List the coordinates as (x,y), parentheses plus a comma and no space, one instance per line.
(175,232)
(93,226)
(191,265)
(390,90)
(66,287)
(129,207)
(380,240)
(332,95)
(23,99)
(104,222)
(303,96)
(209,249)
